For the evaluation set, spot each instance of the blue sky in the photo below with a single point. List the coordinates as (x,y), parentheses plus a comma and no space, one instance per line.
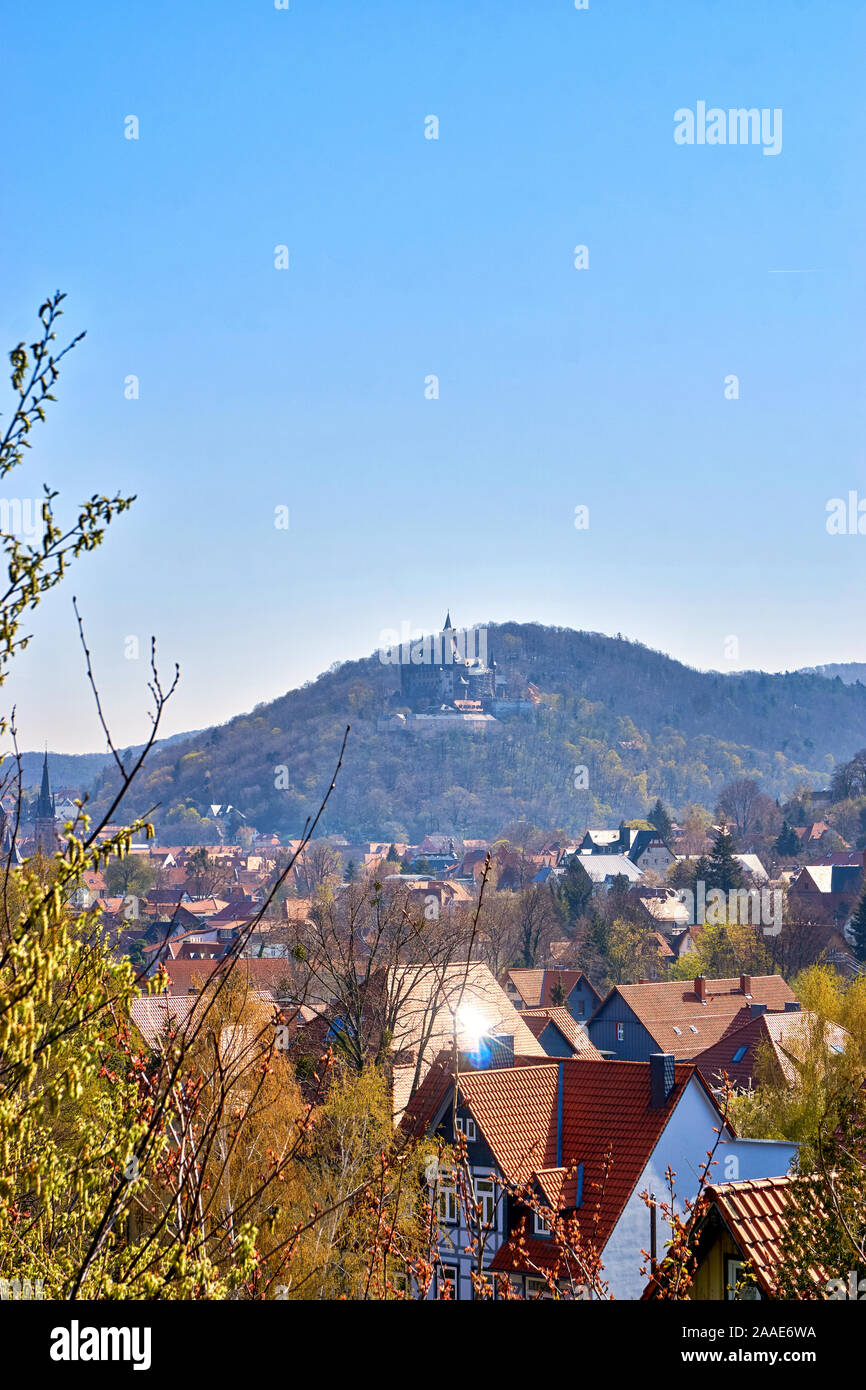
(558,387)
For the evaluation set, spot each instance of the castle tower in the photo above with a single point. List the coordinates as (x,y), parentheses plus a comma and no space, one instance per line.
(45,823)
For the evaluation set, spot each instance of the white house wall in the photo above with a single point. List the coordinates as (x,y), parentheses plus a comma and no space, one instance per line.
(689,1133)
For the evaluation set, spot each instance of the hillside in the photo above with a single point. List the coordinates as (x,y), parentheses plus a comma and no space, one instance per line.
(847,671)
(76,770)
(642,724)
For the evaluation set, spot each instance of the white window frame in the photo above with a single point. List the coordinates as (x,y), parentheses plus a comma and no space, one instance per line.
(448,1274)
(485,1193)
(540,1224)
(448,1202)
(536,1288)
(468,1128)
(620,1032)
(734,1270)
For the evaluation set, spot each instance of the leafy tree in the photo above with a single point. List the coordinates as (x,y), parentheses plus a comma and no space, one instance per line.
(722,950)
(347,1172)
(631,952)
(124,1173)
(131,876)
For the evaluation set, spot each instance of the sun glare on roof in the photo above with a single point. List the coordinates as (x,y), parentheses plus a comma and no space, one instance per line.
(472,1026)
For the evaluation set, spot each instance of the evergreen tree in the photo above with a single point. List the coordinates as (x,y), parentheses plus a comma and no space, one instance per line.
(703,869)
(659,818)
(557,994)
(724,870)
(858,928)
(573,890)
(787,842)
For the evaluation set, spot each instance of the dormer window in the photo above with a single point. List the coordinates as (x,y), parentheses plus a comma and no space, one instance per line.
(466,1126)
(540,1227)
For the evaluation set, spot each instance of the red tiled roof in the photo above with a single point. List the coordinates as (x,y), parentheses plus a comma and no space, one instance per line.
(605,1105)
(661,1007)
(537,1020)
(537,988)
(754,1211)
(262,972)
(789,1036)
(153,1014)
(421,1110)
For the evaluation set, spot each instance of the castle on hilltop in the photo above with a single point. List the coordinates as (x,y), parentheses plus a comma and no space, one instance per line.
(448,669)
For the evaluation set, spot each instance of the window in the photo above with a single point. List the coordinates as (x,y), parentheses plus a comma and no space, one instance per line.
(581,1007)
(692,1028)
(620,1032)
(447,1281)
(740,1054)
(678,1031)
(537,1288)
(466,1127)
(736,1272)
(448,1208)
(486,1195)
(540,1227)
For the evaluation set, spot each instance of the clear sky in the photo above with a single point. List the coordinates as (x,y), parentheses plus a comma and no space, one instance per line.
(410,257)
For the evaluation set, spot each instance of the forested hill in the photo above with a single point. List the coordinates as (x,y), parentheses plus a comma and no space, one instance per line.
(73,770)
(642,725)
(848,671)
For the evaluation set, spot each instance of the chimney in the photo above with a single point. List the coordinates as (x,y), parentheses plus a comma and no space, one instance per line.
(757,1009)
(701,988)
(792,1006)
(661,1077)
(746,984)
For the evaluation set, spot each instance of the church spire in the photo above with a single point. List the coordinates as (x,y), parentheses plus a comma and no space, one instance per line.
(448,627)
(45,803)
